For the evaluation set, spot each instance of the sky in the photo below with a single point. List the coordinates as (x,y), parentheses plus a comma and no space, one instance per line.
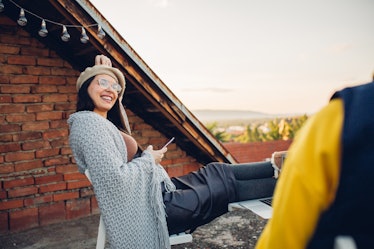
(271,56)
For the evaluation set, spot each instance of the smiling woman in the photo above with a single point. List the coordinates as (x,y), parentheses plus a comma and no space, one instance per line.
(139,203)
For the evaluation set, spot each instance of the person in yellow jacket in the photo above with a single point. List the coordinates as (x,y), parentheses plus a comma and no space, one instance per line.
(312,192)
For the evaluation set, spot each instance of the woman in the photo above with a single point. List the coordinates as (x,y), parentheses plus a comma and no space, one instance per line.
(139,203)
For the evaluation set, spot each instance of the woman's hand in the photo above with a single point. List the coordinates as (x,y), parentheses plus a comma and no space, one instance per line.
(102,60)
(157,154)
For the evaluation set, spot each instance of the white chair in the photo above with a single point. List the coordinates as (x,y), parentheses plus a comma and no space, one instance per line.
(175,239)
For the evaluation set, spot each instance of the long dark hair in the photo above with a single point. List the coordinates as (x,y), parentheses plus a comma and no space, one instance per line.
(85,103)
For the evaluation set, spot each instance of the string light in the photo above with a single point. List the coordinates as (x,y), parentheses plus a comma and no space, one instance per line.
(65,35)
(84,37)
(100,32)
(43,32)
(22,18)
(1,6)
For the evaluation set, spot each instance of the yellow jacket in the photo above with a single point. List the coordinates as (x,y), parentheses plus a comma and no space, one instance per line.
(308,182)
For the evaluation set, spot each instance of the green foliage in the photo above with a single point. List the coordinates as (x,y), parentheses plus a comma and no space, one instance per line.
(218,133)
(277,129)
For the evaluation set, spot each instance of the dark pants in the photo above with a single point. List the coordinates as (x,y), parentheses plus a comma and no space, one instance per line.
(204,195)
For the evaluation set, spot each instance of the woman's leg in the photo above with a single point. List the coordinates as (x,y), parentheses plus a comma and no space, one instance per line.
(253,180)
(200,197)
(253,189)
(250,171)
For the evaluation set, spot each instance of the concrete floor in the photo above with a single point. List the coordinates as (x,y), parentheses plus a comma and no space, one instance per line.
(236,229)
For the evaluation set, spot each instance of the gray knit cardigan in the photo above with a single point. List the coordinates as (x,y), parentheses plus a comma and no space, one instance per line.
(128,193)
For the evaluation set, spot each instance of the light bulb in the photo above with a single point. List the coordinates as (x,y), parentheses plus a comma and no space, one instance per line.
(43,32)
(1,6)
(100,32)
(84,37)
(22,19)
(65,35)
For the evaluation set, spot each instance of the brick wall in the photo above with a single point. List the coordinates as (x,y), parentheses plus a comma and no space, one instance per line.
(256,152)
(39,182)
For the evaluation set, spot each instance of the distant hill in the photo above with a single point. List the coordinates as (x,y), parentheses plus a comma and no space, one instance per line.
(224,116)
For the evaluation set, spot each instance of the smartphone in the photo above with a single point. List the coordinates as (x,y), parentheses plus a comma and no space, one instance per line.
(171,140)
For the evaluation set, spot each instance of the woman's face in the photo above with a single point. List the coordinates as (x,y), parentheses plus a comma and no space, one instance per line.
(103,91)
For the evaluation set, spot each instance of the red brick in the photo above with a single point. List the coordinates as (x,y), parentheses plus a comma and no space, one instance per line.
(50,134)
(5,98)
(48,179)
(5,79)
(18,182)
(74,176)
(44,89)
(6,168)
(56,161)
(9,49)
(50,62)
(23,219)
(65,151)
(57,124)
(35,70)
(16,108)
(78,184)
(4,223)
(6,138)
(48,115)
(34,145)
(15,89)
(27,135)
(27,99)
(21,60)
(13,39)
(67,89)
(42,52)
(55,98)
(3,194)
(10,69)
(66,168)
(10,127)
(9,147)
(85,192)
(52,213)
(77,208)
(40,108)
(24,117)
(24,79)
(23,166)
(25,191)
(52,187)
(65,196)
(52,80)
(5,205)
(59,142)
(35,126)
(181,160)
(94,206)
(43,153)
(19,156)
(63,71)
(175,171)
(256,151)
(190,168)
(37,200)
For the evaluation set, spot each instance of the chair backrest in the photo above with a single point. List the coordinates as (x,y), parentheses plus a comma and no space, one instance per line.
(175,239)
(101,234)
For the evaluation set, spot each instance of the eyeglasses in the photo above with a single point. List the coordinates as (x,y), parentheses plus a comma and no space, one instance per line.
(105,84)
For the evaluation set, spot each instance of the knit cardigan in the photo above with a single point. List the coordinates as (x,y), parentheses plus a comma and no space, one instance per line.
(128,193)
